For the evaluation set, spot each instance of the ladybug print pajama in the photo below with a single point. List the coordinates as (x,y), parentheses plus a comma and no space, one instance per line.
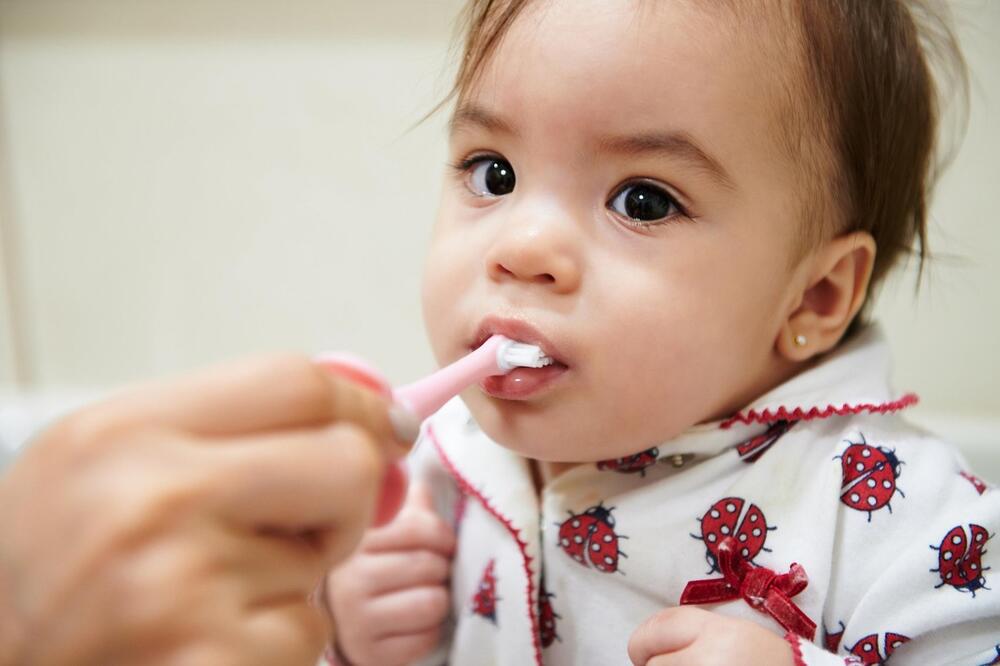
(878,538)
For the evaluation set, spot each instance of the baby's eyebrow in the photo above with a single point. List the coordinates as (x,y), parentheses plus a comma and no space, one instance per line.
(676,144)
(471,115)
(673,144)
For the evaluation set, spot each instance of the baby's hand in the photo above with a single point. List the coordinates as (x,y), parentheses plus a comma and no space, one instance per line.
(389,600)
(696,637)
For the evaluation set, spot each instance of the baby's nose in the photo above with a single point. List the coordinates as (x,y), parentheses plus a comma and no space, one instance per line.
(539,252)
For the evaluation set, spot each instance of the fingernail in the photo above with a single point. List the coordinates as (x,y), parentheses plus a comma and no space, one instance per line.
(404,423)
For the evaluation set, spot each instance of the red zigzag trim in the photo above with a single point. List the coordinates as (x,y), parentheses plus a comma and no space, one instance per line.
(467,488)
(793,640)
(799,414)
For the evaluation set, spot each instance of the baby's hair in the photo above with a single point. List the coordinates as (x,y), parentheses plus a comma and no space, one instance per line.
(863,108)
(870,66)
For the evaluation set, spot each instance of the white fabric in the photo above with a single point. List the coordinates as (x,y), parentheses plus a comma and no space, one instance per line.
(869,574)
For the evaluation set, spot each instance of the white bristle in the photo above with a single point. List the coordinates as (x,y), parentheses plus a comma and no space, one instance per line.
(523,355)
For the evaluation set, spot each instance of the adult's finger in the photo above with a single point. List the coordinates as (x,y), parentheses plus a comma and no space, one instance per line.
(293,634)
(356,369)
(272,569)
(669,631)
(320,482)
(253,395)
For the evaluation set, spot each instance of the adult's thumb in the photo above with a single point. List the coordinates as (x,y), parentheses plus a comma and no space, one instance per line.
(362,395)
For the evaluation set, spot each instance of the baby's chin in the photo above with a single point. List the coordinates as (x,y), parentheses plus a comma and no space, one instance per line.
(548,433)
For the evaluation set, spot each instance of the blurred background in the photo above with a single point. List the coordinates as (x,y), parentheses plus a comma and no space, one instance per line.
(187,181)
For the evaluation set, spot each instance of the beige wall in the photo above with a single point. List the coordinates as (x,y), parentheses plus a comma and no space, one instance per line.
(187,180)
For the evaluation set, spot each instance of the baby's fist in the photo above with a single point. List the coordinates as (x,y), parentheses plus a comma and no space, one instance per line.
(696,637)
(389,600)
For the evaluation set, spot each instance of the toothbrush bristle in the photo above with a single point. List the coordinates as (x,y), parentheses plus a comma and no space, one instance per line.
(521,354)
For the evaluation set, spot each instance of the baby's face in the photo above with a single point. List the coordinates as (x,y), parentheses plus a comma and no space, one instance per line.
(621,197)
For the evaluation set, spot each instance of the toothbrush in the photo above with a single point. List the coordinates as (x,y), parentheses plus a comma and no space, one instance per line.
(497,356)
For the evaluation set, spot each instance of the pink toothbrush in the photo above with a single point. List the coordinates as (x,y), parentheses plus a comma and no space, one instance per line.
(497,356)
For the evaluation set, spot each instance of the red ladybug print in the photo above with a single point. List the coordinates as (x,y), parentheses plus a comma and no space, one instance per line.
(960,558)
(632,464)
(831,640)
(869,477)
(752,449)
(976,482)
(590,537)
(484,601)
(867,649)
(733,516)
(547,618)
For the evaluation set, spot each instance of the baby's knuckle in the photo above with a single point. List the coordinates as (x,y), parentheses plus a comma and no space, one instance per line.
(350,586)
(433,602)
(426,642)
(444,534)
(730,641)
(664,617)
(425,526)
(359,569)
(361,649)
(429,566)
(405,528)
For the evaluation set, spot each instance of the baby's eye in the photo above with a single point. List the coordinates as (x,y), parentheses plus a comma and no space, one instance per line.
(490,176)
(644,202)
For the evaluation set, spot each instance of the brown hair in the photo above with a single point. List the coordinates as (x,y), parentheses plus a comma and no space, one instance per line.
(866,85)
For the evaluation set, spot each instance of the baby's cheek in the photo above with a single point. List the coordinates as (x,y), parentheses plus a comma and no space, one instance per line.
(439,292)
(656,386)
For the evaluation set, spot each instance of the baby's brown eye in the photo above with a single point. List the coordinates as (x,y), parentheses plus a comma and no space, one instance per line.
(644,202)
(491,177)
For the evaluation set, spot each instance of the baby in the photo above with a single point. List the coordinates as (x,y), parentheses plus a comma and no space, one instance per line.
(687,204)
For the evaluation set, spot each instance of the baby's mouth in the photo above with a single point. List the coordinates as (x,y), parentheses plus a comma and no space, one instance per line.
(550,358)
(518,331)
(520,383)
(523,383)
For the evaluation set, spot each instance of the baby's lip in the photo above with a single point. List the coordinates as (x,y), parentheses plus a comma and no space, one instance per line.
(519,330)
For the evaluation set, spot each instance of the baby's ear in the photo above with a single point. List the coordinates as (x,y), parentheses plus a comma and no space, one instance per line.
(837,283)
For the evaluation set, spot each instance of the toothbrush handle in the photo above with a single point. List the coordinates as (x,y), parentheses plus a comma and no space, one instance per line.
(396,480)
(426,396)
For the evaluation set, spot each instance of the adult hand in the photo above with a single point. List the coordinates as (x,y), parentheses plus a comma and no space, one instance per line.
(187,522)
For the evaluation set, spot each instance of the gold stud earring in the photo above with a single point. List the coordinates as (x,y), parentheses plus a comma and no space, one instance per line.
(800,340)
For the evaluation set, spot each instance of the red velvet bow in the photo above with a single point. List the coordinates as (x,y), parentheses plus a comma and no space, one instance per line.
(762,588)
